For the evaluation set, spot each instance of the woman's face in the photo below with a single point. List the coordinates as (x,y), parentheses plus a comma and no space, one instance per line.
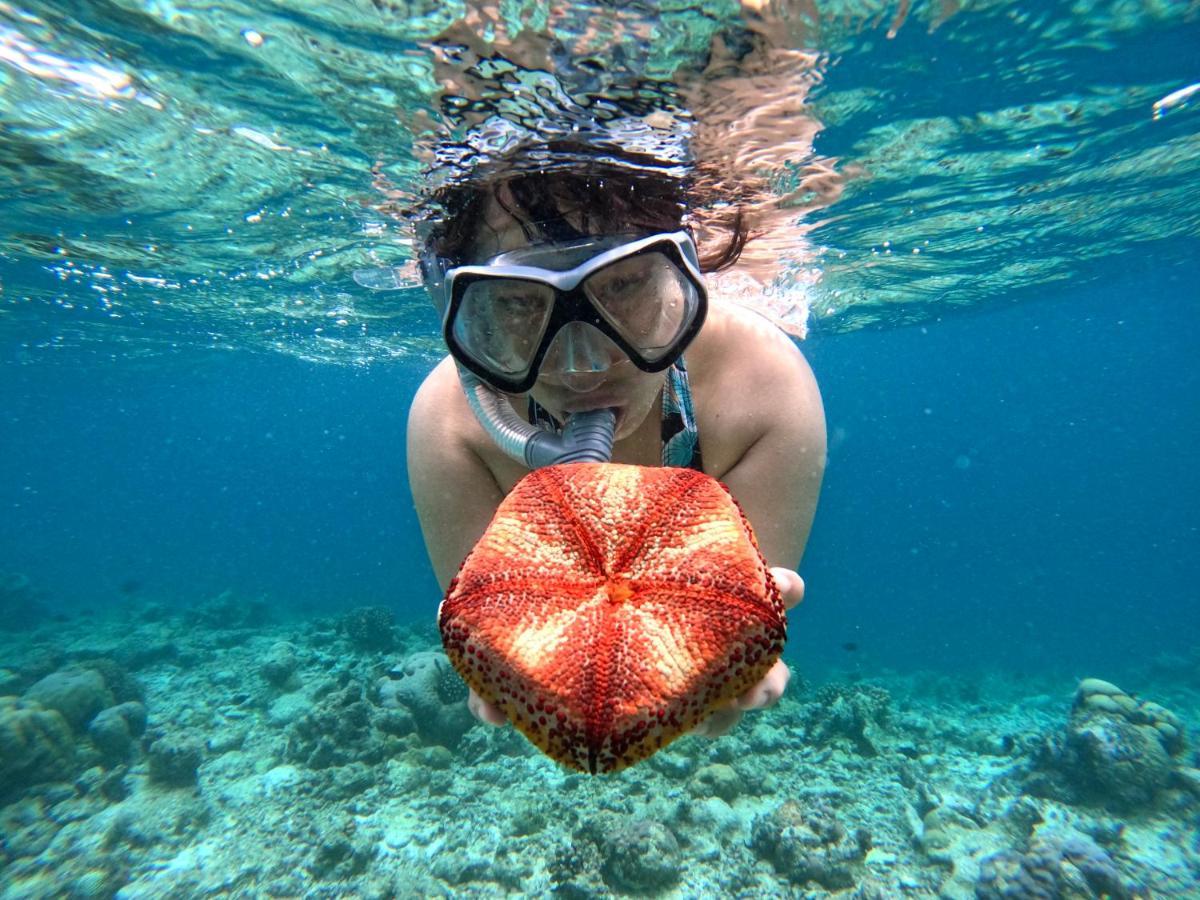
(609,379)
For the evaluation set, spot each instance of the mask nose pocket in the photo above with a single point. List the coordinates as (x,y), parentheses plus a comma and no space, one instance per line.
(580,349)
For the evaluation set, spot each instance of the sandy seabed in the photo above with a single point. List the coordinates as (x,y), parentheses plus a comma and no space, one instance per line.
(157,752)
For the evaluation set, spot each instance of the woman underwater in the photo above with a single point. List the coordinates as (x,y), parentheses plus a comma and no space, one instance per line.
(611,296)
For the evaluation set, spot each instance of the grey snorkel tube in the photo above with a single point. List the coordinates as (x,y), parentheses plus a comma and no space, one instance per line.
(586,437)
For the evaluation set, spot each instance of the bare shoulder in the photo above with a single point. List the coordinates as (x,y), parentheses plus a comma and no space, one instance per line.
(438,406)
(441,438)
(450,469)
(441,421)
(749,380)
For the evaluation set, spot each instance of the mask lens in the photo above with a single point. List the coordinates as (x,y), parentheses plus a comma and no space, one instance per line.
(647,299)
(500,322)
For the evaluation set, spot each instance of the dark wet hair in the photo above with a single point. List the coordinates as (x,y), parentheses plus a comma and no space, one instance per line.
(590,194)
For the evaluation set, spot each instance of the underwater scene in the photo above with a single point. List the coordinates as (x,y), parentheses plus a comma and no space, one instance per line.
(223,670)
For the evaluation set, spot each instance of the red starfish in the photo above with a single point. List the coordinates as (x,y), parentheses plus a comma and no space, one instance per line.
(608,609)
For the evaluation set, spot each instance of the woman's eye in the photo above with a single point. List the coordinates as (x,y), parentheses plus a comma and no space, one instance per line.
(621,289)
(516,305)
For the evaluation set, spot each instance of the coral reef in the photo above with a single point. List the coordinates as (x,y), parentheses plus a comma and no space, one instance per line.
(616,852)
(283,761)
(36,744)
(343,728)
(1053,867)
(336,732)
(279,665)
(717,780)
(574,869)
(960,834)
(77,693)
(1115,752)
(124,686)
(114,729)
(640,856)
(1095,697)
(369,627)
(40,732)
(425,684)
(855,713)
(807,844)
(174,760)
(229,611)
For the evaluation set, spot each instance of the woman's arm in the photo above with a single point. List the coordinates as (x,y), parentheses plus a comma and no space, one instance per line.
(762,427)
(778,478)
(765,411)
(455,492)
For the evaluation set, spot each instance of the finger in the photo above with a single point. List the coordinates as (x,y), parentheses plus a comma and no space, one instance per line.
(485,712)
(791,586)
(768,691)
(719,723)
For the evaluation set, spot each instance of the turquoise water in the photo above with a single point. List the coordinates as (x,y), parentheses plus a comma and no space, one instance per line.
(986,225)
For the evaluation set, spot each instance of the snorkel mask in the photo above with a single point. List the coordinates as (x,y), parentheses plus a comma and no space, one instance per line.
(572,307)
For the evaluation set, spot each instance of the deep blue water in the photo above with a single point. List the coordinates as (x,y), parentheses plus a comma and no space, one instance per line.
(266,475)
(1013,489)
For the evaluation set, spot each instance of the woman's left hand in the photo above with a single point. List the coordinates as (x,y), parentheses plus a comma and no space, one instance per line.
(768,691)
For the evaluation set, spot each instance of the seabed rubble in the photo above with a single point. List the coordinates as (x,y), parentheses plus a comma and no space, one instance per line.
(158,752)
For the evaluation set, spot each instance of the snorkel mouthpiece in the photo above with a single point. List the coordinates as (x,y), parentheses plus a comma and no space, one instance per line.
(586,437)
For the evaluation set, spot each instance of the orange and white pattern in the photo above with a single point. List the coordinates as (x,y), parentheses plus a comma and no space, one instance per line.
(608,609)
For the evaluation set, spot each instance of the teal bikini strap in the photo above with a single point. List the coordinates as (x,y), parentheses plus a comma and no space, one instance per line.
(680,436)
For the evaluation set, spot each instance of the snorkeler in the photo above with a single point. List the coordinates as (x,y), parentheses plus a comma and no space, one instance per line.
(569,290)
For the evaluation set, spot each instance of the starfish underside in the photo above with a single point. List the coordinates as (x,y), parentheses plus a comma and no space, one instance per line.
(608,609)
